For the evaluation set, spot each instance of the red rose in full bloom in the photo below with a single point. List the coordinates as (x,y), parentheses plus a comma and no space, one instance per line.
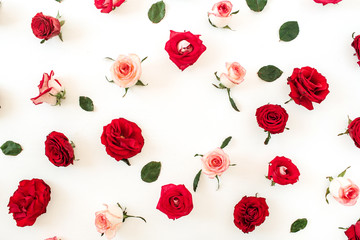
(282,171)
(29,201)
(356,45)
(354,131)
(45,27)
(122,139)
(307,86)
(250,212)
(353,232)
(184,48)
(107,6)
(59,150)
(324,2)
(175,201)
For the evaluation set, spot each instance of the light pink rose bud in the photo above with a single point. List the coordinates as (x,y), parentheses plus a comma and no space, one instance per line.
(344,191)
(215,163)
(126,70)
(220,13)
(108,221)
(234,76)
(50,90)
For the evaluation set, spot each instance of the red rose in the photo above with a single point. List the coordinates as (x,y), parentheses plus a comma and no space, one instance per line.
(307,86)
(354,131)
(324,2)
(184,48)
(282,171)
(122,139)
(45,27)
(175,201)
(353,232)
(107,6)
(272,118)
(59,150)
(29,201)
(356,45)
(250,212)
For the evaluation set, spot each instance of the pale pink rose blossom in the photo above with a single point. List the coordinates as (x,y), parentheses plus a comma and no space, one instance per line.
(234,76)
(215,163)
(344,191)
(108,221)
(126,70)
(49,90)
(220,13)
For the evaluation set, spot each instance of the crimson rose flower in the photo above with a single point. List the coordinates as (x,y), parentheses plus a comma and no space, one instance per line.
(354,131)
(250,212)
(107,6)
(356,45)
(282,171)
(353,232)
(324,2)
(272,118)
(59,150)
(45,27)
(184,48)
(175,201)
(29,201)
(307,86)
(122,139)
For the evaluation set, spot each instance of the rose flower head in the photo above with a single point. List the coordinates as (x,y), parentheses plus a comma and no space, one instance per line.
(221,14)
(45,27)
(59,150)
(50,91)
(282,171)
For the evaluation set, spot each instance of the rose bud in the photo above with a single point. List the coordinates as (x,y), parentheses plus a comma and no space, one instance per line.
(282,171)
(272,118)
(250,212)
(59,150)
(50,91)
(356,45)
(307,86)
(110,220)
(29,201)
(353,232)
(344,191)
(234,76)
(46,27)
(220,14)
(107,6)
(184,48)
(175,201)
(324,2)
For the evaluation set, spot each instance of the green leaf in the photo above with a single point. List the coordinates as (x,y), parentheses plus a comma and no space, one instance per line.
(126,90)
(151,171)
(217,77)
(269,73)
(232,101)
(42,41)
(256,5)
(157,12)
(225,142)
(196,180)
(198,155)
(126,161)
(289,31)
(86,103)
(212,23)
(272,183)
(109,58)
(236,12)
(227,27)
(11,148)
(298,225)
(330,178)
(343,172)
(58,15)
(327,193)
(60,36)
(62,23)
(140,83)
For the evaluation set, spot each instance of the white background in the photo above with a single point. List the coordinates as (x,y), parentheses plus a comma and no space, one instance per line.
(181,114)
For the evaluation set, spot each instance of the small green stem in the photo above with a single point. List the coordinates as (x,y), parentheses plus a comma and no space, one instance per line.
(288,101)
(129,216)
(268,138)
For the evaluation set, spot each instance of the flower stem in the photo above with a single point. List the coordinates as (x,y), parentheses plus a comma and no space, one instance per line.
(268,138)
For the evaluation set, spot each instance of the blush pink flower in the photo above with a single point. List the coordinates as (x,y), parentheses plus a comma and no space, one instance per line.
(234,76)
(50,90)
(53,238)
(220,14)
(215,163)
(324,2)
(126,70)
(108,221)
(344,191)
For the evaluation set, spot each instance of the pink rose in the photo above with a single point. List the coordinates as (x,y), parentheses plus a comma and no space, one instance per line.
(50,91)
(324,2)
(126,70)
(215,163)
(234,76)
(220,13)
(107,6)
(344,191)
(108,221)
